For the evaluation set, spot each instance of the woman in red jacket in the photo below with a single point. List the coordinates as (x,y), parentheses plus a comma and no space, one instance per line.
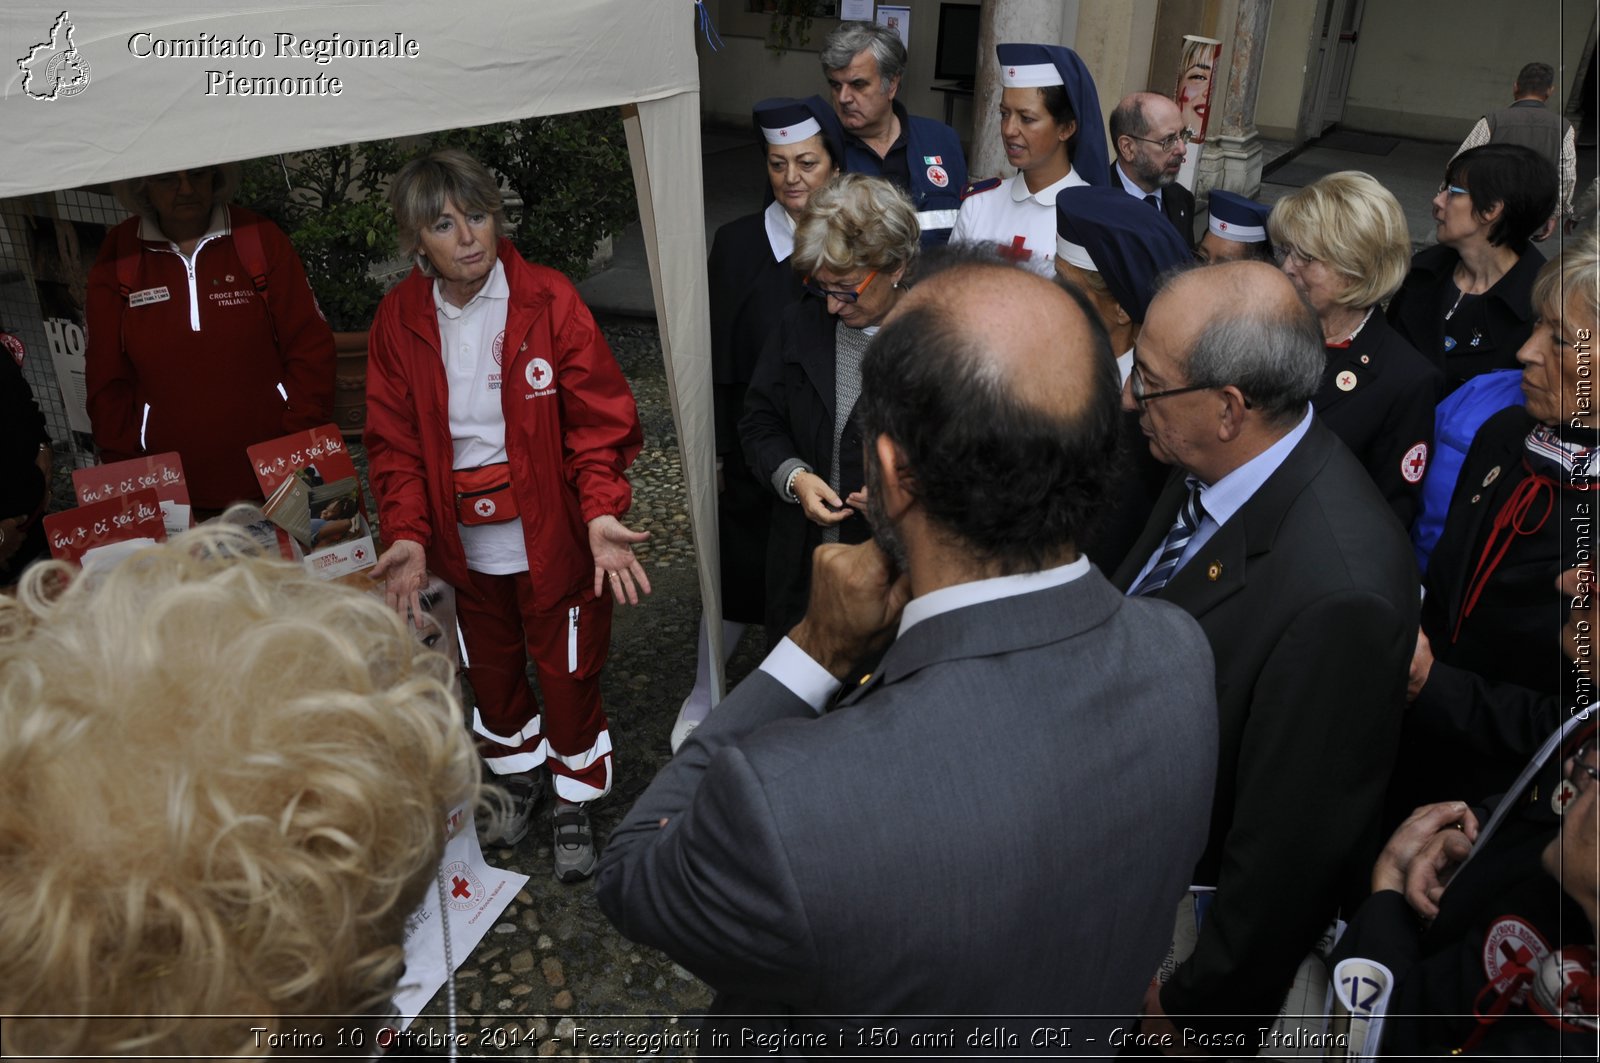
(499,429)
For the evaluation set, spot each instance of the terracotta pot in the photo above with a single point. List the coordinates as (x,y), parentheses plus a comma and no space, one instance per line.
(350,383)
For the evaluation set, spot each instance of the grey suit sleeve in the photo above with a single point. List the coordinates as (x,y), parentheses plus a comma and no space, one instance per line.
(713,888)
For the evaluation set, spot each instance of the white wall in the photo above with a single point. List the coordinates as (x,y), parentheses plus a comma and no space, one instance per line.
(1291,42)
(1429,68)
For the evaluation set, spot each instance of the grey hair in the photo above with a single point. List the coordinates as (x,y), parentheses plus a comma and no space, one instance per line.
(842,45)
(134,195)
(420,190)
(1275,359)
(856,222)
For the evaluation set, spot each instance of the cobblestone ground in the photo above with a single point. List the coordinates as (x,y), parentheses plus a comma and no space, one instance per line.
(553,963)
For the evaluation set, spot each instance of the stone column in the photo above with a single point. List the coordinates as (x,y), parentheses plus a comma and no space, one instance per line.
(1232,158)
(1038,21)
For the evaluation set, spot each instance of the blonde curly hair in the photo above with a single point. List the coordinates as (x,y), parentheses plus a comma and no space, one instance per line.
(856,222)
(223,790)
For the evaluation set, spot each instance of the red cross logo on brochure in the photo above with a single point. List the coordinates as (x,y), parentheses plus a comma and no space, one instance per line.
(360,554)
(460,887)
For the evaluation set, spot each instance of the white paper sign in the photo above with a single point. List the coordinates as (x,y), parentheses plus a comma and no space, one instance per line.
(856,10)
(475,895)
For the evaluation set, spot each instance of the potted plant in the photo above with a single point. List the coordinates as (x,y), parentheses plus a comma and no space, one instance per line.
(330,202)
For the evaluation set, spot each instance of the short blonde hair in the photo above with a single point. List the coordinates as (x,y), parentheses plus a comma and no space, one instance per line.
(1355,225)
(419,191)
(856,222)
(1575,270)
(223,790)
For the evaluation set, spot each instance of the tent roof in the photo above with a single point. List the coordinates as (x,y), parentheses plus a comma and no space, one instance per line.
(145,110)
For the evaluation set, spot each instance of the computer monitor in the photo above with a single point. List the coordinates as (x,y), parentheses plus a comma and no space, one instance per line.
(956,55)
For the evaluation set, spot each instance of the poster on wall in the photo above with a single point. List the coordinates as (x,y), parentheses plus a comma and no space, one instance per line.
(1195,78)
(856,10)
(62,253)
(896,17)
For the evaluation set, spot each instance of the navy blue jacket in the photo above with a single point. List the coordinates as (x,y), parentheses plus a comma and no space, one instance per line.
(934,163)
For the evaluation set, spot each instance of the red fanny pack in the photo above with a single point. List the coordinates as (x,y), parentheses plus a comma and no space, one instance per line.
(483,495)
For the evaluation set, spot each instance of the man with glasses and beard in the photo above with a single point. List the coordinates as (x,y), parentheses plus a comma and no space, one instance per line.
(1150,143)
(997,821)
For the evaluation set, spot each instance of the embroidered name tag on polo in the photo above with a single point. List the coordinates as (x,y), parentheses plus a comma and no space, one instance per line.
(149,295)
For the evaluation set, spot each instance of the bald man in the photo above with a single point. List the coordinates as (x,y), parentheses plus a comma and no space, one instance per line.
(1000,819)
(1276,541)
(1148,145)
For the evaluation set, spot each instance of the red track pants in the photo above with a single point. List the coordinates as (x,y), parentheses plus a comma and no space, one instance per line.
(568,645)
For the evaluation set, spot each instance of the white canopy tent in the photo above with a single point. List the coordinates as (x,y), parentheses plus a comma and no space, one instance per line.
(156,85)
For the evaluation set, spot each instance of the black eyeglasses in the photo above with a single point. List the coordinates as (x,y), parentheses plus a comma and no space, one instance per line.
(1168,142)
(844,295)
(1141,396)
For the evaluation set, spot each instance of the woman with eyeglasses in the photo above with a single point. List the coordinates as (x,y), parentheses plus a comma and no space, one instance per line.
(1342,242)
(751,285)
(204,337)
(1488,679)
(1465,303)
(853,247)
(1046,89)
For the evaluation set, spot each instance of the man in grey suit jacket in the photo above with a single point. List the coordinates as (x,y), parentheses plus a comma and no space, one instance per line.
(1276,540)
(1000,819)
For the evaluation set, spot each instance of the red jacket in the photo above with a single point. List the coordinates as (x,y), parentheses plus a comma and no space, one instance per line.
(207,359)
(571,427)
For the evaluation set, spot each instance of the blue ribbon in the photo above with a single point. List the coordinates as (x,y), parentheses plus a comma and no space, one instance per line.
(707,30)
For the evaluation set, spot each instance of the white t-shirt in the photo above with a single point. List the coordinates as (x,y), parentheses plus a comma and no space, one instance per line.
(471,339)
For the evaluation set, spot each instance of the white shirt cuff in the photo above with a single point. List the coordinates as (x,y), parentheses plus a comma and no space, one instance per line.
(803,676)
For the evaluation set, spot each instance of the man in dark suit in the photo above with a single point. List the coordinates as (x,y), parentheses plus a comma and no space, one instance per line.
(1000,819)
(1150,143)
(1276,541)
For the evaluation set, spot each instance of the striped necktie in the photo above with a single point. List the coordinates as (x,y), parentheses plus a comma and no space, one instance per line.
(1190,514)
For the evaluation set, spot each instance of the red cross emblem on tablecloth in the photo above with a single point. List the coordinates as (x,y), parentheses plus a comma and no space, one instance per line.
(1018,251)
(460,889)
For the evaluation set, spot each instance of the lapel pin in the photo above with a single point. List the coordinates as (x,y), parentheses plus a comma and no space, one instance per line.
(1214,571)
(864,680)
(1365,358)
(1494,474)
(1346,381)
